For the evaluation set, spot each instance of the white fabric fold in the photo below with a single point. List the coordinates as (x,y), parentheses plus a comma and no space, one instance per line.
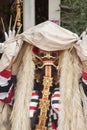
(49,36)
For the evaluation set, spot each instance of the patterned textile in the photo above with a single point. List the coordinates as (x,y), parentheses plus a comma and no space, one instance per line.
(7,82)
(55,107)
(84,82)
(34,103)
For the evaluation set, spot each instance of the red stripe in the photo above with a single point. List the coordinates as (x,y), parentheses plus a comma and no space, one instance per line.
(53,126)
(56,95)
(32,108)
(35,94)
(49,61)
(35,50)
(84,75)
(9,98)
(57,109)
(6,73)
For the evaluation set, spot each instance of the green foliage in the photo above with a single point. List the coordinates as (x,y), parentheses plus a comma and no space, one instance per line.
(74,15)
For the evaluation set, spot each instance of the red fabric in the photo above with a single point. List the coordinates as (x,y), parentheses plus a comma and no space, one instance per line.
(35,94)
(53,126)
(6,73)
(84,75)
(56,95)
(9,98)
(57,109)
(35,50)
(32,108)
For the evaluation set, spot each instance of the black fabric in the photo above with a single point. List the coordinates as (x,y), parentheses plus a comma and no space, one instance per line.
(6,88)
(55,121)
(55,101)
(84,88)
(83,85)
(35,119)
(34,100)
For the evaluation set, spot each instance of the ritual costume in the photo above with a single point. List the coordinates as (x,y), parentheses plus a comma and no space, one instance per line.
(51,87)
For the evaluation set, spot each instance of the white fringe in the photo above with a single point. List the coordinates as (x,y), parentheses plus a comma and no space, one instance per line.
(20,113)
(71,115)
(66,92)
(5,112)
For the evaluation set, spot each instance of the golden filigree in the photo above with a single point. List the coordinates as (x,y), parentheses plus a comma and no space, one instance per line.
(47,81)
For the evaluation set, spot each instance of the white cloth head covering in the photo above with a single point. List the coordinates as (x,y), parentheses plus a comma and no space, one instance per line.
(50,37)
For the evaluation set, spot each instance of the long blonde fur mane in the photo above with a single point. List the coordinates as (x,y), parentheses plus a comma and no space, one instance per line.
(25,77)
(71,113)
